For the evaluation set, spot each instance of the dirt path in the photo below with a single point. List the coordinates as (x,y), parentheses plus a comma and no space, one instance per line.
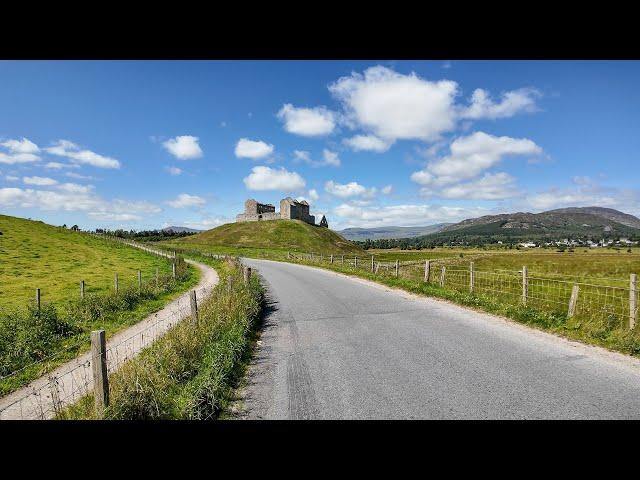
(44,397)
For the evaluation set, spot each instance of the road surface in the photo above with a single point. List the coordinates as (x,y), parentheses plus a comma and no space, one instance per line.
(335,347)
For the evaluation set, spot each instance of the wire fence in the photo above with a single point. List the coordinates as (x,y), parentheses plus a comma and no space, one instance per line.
(45,397)
(609,304)
(63,385)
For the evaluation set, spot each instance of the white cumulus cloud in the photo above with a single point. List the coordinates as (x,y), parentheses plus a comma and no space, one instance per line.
(308,122)
(396,106)
(174,170)
(40,181)
(329,158)
(266,178)
(21,146)
(470,156)
(19,151)
(346,190)
(254,149)
(389,106)
(369,143)
(184,200)
(496,186)
(516,101)
(74,198)
(67,149)
(183,147)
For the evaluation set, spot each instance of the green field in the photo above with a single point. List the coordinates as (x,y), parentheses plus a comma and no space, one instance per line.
(36,255)
(601,265)
(273,235)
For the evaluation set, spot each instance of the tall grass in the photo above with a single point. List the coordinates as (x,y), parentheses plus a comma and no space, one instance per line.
(34,341)
(188,373)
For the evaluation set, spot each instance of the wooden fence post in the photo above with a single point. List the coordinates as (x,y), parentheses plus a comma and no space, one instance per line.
(139,279)
(572,301)
(342,259)
(157,277)
(99,367)
(288,255)
(247,275)
(331,260)
(397,268)
(355,262)
(115,283)
(81,289)
(443,271)
(633,300)
(471,277)
(194,306)
(173,270)
(427,270)
(525,285)
(372,264)
(38,298)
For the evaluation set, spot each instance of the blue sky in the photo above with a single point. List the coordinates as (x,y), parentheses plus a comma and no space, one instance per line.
(368,143)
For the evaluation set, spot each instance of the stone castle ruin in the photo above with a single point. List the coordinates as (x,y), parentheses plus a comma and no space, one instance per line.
(290,209)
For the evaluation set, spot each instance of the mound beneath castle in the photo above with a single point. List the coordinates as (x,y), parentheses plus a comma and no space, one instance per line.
(293,235)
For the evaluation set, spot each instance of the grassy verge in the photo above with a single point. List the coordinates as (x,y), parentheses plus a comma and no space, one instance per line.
(190,372)
(34,341)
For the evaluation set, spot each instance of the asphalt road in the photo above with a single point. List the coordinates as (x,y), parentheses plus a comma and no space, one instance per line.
(335,347)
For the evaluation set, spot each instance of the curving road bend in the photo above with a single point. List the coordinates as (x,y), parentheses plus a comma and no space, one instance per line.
(335,347)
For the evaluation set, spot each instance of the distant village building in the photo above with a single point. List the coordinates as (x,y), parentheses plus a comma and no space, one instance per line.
(290,209)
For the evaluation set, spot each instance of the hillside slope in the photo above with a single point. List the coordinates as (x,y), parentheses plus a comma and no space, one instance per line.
(593,222)
(36,255)
(291,235)
(609,213)
(390,232)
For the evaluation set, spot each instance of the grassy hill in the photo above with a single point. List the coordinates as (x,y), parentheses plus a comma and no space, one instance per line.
(36,255)
(283,235)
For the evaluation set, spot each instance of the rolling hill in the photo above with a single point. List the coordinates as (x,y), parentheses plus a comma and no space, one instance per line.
(362,234)
(291,235)
(592,222)
(54,259)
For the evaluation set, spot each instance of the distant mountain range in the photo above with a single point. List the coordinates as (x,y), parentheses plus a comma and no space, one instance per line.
(571,222)
(181,230)
(574,222)
(362,234)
